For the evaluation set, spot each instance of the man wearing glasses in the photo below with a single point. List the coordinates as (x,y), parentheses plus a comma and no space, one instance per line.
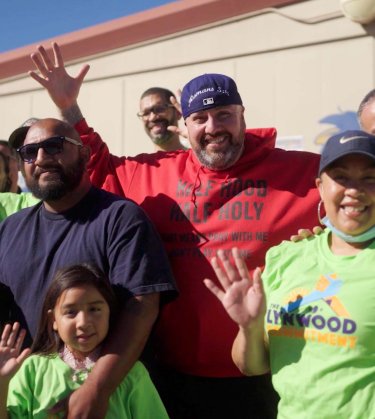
(78,223)
(160,118)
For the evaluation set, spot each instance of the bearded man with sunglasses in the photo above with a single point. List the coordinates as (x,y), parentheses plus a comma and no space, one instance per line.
(78,223)
(60,179)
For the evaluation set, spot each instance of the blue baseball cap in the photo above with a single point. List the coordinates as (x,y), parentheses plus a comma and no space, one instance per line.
(344,143)
(208,91)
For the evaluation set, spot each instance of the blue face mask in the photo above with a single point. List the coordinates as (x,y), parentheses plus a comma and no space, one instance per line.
(360,238)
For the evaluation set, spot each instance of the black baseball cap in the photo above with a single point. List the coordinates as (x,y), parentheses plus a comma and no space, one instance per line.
(344,143)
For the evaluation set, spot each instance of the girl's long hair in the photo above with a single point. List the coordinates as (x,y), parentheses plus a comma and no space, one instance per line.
(5,182)
(47,341)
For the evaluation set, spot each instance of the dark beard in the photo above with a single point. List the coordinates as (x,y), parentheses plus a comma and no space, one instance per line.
(69,179)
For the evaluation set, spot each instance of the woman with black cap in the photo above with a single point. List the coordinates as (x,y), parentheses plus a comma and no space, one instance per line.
(310,319)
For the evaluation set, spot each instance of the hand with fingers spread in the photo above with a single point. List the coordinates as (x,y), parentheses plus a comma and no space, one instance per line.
(11,356)
(242,297)
(176,102)
(62,87)
(244,300)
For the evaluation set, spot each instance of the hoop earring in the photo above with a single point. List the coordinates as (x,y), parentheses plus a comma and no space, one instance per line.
(319,211)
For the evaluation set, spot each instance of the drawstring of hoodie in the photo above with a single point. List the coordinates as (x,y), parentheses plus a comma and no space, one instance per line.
(196,186)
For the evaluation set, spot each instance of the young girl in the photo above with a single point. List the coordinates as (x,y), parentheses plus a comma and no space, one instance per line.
(77,313)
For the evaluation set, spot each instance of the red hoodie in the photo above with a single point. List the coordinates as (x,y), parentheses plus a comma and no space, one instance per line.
(263,199)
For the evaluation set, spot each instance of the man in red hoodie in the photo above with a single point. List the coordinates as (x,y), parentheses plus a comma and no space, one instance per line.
(232,188)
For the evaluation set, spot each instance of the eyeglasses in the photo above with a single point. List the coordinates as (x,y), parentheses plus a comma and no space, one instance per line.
(52,146)
(156,110)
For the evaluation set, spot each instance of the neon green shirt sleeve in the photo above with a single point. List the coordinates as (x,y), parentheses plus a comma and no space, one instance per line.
(12,202)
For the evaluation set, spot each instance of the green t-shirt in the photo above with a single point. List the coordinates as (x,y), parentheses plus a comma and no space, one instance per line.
(13,202)
(42,381)
(320,322)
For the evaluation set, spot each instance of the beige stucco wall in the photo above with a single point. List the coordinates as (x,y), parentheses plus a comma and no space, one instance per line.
(290,75)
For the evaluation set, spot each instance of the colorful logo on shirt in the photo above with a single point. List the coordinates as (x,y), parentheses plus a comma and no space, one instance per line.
(326,289)
(303,317)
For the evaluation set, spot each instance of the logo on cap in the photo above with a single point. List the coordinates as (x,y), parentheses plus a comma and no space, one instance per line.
(344,140)
(208,101)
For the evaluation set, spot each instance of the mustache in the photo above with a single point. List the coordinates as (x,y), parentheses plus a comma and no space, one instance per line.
(45,169)
(209,137)
(158,121)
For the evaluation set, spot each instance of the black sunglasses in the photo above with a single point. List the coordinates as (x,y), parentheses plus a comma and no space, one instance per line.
(52,146)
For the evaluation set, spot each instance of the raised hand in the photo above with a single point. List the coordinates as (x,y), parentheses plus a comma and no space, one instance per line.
(176,102)
(62,88)
(242,297)
(11,356)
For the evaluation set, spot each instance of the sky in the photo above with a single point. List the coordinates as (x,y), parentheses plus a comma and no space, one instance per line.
(24,22)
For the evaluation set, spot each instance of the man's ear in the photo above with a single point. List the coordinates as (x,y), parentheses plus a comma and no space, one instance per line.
(86,153)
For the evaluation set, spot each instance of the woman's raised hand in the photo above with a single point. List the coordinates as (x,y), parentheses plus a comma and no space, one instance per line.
(242,296)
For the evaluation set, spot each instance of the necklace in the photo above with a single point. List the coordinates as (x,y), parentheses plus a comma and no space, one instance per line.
(80,367)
